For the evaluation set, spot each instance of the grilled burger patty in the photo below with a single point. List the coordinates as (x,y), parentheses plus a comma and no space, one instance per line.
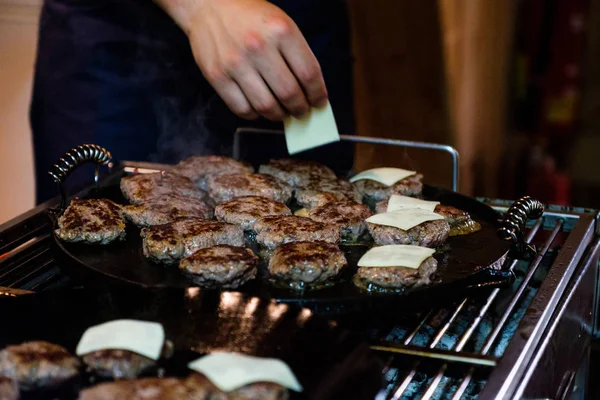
(220,266)
(140,188)
(277,230)
(349,216)
(93,221)
(396,277)
(322,191)
(254,391)
(244,211)
(222,188)
(460,221)
(165,209)
(38,364)
(9,390)
(296,173)
(427,234)
(306,263)
(199,168)
(373,191)
(170,242)
(118,364)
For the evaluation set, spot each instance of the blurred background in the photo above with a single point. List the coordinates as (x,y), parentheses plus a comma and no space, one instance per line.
(514,85)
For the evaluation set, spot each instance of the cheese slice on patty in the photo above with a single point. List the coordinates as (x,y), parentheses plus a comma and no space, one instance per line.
(395,255)
(398,202)
(231,371)
(141,337)
(404,219)
(315,129)
(387,176)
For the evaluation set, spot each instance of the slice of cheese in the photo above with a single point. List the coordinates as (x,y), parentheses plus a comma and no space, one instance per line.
(398,202)
(395,255)
(387,176)
(231,371)
(141,337)
(315,129)
(404,219)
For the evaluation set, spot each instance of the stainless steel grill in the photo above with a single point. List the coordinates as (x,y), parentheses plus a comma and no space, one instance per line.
(529,340)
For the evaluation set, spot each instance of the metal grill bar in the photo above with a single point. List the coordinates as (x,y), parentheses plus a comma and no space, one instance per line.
(464,339)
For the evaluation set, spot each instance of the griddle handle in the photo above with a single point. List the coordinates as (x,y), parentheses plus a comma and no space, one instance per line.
(514,223)
(72,159)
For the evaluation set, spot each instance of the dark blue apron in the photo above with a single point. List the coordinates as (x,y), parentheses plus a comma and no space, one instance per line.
(119,73)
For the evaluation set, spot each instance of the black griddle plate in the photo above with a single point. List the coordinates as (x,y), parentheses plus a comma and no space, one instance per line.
(467,262)
(328,361)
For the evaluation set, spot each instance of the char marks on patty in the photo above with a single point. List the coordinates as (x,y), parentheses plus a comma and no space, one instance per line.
(373,191)
(166,209)
(322,191)
(296,173)
(244,211)
(223,188)
(170,242)
(92,221)
(118,364)
(200,168)
(427,234)
(276,230)
(140,188)
(220,266)
(349,216)
(396,277)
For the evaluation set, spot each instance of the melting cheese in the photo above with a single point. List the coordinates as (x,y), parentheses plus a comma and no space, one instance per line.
(230,371)
(387,176)
(141,337)
(404,219)
(398,202)
(395,255)
(315,129)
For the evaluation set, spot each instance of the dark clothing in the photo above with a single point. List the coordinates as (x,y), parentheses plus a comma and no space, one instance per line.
(120,73)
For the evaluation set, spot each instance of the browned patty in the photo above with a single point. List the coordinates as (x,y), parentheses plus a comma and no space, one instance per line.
(373,191)
(140,188)
(460,221)
(322,191)
(296,173)
(200,168)
(255,391)
(93,221)
(373,278)
(427,234)
(349,216)
(244,211)
(222,188)
(300,264)
(38,364)
(277,230)
(170,242)
(9,390)
(166,209)
(118,364)
(220,266)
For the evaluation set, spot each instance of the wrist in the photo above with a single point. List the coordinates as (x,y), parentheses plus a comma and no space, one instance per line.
(182,11)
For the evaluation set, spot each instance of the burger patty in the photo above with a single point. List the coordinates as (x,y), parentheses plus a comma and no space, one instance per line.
(300,264)
(274,231)
(220,266)
(373,191)
(322,191)
(38,364)
(222,188)
(396,277)
(349,216)
(140,188)
(9,390)
(163,210)
(199,168)
(93,221)
(244,211)
(170,242)
(460,221)
(296,173)
(427,234)
(254,391)
(118,364)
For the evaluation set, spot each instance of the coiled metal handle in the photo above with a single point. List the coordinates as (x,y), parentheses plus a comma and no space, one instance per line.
(74,158)
(514,223)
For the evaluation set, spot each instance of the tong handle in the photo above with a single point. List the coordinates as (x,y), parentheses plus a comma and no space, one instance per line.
(514,223)
(74,158)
